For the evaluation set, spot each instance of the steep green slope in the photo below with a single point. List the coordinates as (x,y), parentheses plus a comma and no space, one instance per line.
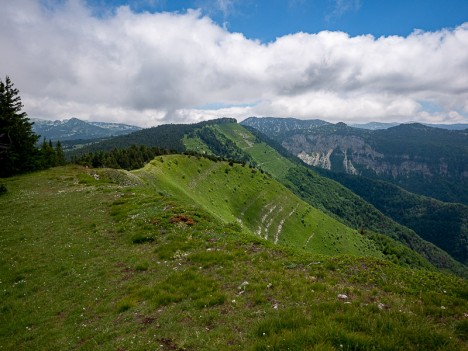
(330,196)
(244,196)
(227,139)
(98,260)
(444,224)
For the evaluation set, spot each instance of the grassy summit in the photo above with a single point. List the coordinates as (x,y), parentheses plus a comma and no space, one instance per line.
(113,260)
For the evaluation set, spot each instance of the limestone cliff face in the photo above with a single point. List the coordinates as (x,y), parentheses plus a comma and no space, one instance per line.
(354,155)
(421,159)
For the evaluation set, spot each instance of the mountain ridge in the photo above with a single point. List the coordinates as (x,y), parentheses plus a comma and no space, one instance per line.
(305,184)
(75,129)
(225,138)
(296,123)
(422,159)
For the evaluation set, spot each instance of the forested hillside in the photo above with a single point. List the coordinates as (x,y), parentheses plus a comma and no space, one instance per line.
(424,160)
(444,224)
(166,136)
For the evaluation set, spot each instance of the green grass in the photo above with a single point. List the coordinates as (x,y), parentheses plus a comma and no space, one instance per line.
(335,200)
(265,156)
(257,203)
(72,277)
(196,145)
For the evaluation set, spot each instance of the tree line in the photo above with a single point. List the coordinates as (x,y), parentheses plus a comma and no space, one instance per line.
(19,150)
(130,158)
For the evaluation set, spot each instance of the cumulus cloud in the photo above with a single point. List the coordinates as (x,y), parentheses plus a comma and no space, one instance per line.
(153,68)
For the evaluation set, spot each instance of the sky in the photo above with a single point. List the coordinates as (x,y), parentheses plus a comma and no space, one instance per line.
(151,62)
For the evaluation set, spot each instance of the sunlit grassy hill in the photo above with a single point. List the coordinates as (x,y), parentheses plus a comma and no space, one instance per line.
(99,259)
(254,201)
(320,192)
(224,138)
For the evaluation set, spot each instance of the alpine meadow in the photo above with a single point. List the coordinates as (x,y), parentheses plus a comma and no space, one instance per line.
(233,175)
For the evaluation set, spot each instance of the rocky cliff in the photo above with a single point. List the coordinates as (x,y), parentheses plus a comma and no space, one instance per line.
(409,155)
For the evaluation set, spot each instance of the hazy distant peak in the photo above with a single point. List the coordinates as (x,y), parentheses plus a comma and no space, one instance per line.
(75,128)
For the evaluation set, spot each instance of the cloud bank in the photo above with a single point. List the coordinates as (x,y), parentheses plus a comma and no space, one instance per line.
(154,68)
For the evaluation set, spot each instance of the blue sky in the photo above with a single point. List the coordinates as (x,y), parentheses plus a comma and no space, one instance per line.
(268,19)
(149,62)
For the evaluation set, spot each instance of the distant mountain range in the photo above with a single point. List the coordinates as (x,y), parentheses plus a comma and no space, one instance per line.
(273,126)
(382,125)
(74,129)
(77,129)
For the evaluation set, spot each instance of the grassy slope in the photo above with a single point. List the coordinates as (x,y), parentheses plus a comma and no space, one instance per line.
(107,264)
(238,194)
(266,157)
(333,198)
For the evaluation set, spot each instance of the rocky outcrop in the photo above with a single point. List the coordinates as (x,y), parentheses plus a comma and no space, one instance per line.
(421,159)
(354,155)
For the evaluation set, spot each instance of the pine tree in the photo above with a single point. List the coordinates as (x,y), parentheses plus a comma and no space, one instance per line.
(48,156)
(18,151)
(59,154)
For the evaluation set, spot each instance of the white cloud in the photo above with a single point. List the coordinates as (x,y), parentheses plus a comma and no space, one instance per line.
(340,7)
(149,69)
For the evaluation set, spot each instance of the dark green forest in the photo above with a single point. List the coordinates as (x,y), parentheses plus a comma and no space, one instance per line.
(444,224)
(19,149)
(130,158)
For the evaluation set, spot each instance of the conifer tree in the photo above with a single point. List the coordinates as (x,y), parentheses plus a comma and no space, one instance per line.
(59,155)
(18,151)
(48,157)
